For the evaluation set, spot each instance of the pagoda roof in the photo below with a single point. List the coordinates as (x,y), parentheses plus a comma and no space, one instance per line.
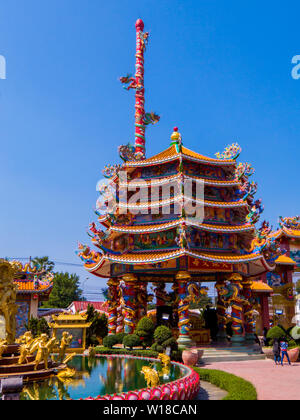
(259,286)
(154,257)
(171,154)
(180,197)
(285,260)
(289,233)
(28,287)
(167,179)
(170,225)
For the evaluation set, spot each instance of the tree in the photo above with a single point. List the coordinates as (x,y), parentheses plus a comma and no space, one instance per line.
(203,302)
(65,291)
(43,264)
(98,328)
(38,326)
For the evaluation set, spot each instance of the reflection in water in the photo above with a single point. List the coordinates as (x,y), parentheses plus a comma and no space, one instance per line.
(98,376)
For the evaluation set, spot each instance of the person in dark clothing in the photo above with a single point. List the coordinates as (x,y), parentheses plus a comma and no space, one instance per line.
(276,351)
(265,336)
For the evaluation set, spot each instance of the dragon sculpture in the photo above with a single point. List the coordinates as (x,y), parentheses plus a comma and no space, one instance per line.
(87,255)
(255,212)
(247,191)
(289,222)
(264,242)
(230,295)
(151,376)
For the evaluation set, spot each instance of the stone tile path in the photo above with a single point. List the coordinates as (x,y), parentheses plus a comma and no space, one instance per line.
(271,382)
(209,392)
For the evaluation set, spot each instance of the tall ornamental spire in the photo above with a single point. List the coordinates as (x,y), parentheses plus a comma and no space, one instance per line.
(141,40)
(142,119)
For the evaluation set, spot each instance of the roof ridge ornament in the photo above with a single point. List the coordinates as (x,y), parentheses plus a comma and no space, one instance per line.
(176,140)
(231,152)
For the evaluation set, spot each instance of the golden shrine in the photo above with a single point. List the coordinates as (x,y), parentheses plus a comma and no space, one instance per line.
(76,325)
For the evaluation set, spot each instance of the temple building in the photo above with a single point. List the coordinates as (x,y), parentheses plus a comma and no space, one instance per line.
(178,218)
(33,287)
(287,273)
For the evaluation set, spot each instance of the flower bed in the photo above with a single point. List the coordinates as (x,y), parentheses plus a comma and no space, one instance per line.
(185,388)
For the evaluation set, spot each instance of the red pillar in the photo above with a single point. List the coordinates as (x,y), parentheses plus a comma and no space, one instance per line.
(265,314)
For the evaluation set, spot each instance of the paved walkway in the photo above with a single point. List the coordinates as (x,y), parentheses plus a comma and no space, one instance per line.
(210,392)
(271,382)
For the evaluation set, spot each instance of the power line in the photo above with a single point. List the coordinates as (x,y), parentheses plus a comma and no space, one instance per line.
(55,262)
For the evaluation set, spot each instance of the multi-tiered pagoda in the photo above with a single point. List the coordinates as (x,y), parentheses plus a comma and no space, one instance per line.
(182,218)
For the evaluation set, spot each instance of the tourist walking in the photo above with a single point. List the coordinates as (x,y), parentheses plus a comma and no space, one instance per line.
(276,351)
(283,349)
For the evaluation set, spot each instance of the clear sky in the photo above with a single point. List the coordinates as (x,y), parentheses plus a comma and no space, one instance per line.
(219,70)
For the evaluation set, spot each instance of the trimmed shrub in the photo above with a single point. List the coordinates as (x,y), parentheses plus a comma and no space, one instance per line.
(120,337)
(292,344)
(275,332)
(162,334)
(109,341)
(295,333)
(145,329)
(131,340)
(237,388)
(164,338)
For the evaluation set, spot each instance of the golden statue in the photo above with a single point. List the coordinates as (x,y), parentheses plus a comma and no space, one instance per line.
(64,344)
(3,347)
(40,346)
(69,358)
(8,295)
(26,342)
(67,373)
(151,376)
(165,360)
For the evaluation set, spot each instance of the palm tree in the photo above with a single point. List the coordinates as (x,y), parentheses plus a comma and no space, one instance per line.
(43,264)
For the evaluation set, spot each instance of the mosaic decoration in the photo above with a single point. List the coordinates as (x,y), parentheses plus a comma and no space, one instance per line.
(110,171)
(231,152)
(22,318)
(289,222)
(244,170)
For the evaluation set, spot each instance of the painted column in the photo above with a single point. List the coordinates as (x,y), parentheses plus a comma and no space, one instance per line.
(113,294)
(237,310)
(130,307)
(120,318)
(265,315)
(221,311)
(184,340)
(248,311)
(34,305)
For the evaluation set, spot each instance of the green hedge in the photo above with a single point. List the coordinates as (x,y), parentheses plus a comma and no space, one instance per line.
(145,353)
(176,356)
(237,388)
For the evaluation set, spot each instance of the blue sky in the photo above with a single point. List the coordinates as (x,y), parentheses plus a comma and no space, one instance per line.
(219,70)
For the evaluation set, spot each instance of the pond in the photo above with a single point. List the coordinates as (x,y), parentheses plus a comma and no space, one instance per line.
(99,376)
